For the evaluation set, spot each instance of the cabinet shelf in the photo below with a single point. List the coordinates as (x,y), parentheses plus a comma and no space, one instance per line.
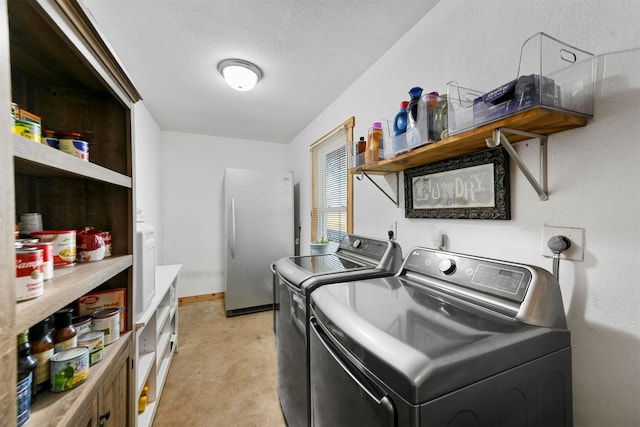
(69,402)
(41,160)
(163,315)
(540,121)
(68,284)
(163,344)
(145,363)
(157,335)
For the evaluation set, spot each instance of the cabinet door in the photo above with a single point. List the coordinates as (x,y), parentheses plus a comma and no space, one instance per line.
(88,416)
(114,407)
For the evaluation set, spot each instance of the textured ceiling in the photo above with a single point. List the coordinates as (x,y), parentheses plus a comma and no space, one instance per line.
(309,50)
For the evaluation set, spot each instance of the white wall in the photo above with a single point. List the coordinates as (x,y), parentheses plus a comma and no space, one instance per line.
(193,195)
(593,173)
(148,171)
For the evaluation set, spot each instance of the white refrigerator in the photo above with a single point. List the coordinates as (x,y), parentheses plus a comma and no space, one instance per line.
(258,230)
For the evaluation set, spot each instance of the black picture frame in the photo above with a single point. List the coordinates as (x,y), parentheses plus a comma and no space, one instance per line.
(473,186)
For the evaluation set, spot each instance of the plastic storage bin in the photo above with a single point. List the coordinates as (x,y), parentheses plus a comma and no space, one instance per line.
(551,74)
(417,133)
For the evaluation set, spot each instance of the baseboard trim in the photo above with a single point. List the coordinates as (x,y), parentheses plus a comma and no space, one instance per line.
(198,298)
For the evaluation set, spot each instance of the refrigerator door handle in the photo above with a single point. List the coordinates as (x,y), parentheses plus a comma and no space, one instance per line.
(233,228)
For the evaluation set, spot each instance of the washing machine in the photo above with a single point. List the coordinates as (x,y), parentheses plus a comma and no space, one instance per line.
(450,340)
(295,278)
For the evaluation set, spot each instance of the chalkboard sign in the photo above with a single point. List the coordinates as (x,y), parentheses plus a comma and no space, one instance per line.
(474,186)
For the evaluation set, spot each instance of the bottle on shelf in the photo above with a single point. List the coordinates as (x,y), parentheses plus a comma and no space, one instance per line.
(401,120)
(362,145)
(42,350)
(415,93)
(143,399)
(359,148)
(26,389)
(64,335)
(432,103)
(440,119)
(374,143)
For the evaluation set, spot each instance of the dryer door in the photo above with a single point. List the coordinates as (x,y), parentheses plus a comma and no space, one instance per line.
(335,379)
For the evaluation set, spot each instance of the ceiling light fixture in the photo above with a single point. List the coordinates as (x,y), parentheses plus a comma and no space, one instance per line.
(239,74)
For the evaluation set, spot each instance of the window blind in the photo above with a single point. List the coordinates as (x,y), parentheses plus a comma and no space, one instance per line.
(329,181)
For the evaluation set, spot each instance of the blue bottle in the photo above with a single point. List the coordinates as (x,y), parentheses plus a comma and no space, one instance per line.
(401,120)
(415,93)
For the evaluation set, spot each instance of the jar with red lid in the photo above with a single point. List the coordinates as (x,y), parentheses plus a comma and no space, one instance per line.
(73,143)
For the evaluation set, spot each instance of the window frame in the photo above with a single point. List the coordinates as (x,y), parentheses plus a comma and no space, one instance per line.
(347,128)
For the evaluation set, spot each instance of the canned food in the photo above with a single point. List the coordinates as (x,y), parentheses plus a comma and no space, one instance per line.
(94,341)
(64,245)
(15,110)
(107,321)
(71,143)
(50,138)
(69,368)
(82,324)
(29,274)
(24,242)
(30,222)
(27,129)
(52,142)
(47,256)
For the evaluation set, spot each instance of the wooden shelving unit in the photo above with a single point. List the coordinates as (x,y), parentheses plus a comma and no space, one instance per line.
(57,67)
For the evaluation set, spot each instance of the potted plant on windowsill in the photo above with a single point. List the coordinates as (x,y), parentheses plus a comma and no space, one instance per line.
(320,247)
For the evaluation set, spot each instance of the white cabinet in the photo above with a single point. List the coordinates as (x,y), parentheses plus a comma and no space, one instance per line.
(157,340)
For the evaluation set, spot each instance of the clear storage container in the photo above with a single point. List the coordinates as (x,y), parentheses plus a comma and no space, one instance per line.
(417,133)
(551,74)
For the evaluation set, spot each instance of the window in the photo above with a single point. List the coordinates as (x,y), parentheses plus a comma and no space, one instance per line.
(331,192)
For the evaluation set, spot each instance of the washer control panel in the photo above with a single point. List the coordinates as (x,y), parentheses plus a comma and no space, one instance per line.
(363,246)
(506,280)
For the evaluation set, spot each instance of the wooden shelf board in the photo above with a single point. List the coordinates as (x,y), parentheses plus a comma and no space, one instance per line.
(36,159)
(67,285)
(54,409)
(538,120)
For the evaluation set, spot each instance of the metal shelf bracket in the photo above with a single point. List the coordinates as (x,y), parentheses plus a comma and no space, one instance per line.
(396,201)
(500,138)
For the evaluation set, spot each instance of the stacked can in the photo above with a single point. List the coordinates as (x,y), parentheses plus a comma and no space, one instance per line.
(29,273)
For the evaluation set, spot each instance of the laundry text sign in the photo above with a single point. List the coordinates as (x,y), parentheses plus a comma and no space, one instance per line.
(471,187)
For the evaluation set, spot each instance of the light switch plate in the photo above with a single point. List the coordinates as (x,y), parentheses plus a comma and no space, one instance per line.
(575,235)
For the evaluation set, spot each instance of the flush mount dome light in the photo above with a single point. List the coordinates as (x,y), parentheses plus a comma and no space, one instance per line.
(240,75)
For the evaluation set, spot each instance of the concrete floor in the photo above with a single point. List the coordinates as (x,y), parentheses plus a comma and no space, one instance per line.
(224,372)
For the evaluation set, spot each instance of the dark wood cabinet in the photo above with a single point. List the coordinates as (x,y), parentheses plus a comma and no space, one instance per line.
(54,64)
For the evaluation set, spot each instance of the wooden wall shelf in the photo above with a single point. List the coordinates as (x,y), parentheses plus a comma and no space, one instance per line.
(539,120)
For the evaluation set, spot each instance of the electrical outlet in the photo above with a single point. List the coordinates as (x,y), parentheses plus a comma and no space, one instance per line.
(575,235)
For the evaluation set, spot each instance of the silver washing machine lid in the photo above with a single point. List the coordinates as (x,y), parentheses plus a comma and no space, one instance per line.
(357,257)
(423,343)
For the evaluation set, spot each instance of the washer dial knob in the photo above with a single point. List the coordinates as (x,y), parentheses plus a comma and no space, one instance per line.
(447,266)
(357,243)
